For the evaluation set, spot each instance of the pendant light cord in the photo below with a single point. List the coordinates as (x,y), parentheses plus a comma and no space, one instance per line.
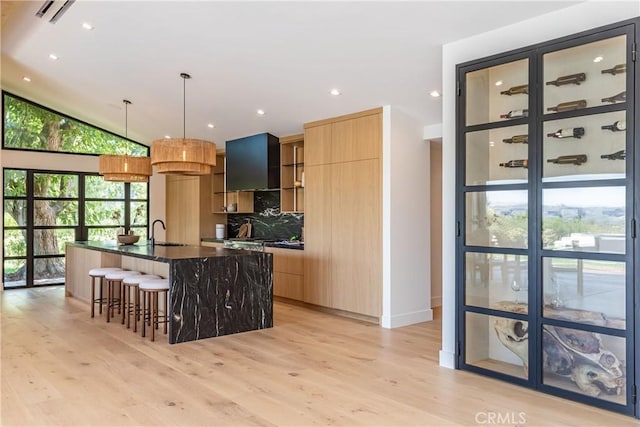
(184,76)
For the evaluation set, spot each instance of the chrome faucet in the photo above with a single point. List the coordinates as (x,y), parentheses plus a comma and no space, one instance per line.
(153,230)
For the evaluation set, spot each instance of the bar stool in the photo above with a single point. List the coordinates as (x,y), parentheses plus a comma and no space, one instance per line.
(99,273)
(114,279)
(150,290)
(129,283)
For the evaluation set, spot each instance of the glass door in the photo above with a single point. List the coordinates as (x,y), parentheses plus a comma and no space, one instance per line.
(494,208)
(43,210)
(586,207)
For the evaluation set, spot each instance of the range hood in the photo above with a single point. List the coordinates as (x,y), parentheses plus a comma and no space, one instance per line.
(253,163)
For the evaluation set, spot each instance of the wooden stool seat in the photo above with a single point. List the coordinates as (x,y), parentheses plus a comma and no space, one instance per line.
(99,273)
(114,279)
(128,283)
(151,289)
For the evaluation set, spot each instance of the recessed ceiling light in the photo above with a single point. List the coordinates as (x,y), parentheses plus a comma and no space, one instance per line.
(53,56)
(26,78)
(499,83)
(334,92)
(260,112)
(598,59)
(434,93)
(167,136)
(211,126)
(87,26)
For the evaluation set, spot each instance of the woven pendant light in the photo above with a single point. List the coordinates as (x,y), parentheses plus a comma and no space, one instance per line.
(124,168)
(183,156)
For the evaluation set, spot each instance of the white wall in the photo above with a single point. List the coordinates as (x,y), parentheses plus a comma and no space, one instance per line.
(564,22)
(405,217)
(435,200)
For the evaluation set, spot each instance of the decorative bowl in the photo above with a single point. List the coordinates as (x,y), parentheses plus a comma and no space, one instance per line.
(232,207)
(127,239)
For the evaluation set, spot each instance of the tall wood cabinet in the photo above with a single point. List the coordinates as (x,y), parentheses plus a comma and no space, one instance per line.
(188,208)
(343,213)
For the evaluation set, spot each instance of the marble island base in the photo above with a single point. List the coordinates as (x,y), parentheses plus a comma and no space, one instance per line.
(213,291)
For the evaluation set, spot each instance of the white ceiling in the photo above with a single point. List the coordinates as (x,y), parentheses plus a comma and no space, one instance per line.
(282,57)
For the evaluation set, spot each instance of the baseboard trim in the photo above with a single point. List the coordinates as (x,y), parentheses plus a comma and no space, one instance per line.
(406,319)
(447,359)
(436,302)
(334,311)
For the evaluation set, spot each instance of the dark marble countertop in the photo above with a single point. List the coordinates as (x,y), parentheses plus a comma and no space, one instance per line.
(269,244)
(160,253)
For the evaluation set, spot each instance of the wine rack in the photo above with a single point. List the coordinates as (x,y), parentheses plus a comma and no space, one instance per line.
(545,199)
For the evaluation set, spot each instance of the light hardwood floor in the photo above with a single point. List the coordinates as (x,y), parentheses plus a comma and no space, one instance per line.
(60,367)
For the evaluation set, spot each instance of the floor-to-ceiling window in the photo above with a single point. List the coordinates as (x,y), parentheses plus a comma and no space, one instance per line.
(43,209)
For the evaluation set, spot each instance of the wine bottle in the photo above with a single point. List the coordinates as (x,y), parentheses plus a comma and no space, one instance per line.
(618,69)
(520,163)
(516,90)
(618,155)
(570,79)
(513,114)
(571,159)
(621,97)
(567,133)
(517,139)
(618,126)
(568,106)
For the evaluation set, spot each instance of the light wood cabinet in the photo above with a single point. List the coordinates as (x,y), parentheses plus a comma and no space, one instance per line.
(343,213)
(188,209)
(212,244)
(317,231)
(292,173)
(288,273)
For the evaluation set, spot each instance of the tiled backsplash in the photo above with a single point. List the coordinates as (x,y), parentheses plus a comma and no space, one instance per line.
(267,221)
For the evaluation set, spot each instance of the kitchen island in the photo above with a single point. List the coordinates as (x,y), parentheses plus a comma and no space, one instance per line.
(213,291)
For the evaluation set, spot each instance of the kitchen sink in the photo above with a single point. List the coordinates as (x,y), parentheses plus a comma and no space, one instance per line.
(169,244)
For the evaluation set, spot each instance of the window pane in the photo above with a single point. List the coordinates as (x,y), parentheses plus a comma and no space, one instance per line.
(138,213)
(15,183)
(584,362)
(15,243)
(104,213)
(25,123)
(97,188)
(585,291)
(15,213)
(497,218)
(142,232)
(48,271)
(497,156)
(15,273)
(52,241)
(138,190)
(566,140)
(497,281)
(496,91)
(572,75)
(103,234)
(55,185)
(497,343)
(590,219)
(55,212)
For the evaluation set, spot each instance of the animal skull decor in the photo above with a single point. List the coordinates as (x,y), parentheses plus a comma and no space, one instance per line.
(570,353)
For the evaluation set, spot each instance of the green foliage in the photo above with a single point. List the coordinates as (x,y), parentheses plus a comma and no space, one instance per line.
(29,127)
